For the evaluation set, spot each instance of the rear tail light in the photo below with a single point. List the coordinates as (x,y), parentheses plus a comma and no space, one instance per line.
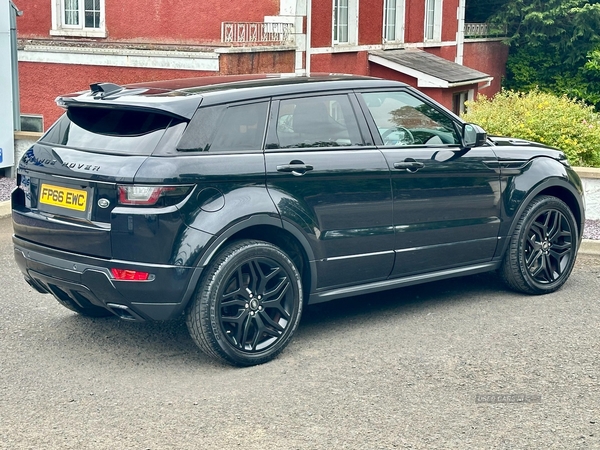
(131,275)
(151,195)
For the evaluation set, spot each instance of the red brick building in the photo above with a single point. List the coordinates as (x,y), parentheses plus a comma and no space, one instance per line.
(64,45)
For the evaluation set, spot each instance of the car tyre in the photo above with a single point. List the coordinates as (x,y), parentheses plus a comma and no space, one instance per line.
(247,305)
(542,249)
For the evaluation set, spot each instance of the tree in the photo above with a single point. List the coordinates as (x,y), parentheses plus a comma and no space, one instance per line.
(558,121)
(479,11)
(555,44)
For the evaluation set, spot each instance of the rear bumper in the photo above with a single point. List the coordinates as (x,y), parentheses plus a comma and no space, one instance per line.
(85,280)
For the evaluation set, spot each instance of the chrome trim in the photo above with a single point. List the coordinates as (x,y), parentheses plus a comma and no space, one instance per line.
(363,255)
(85,180)
(50,217)
(412,249)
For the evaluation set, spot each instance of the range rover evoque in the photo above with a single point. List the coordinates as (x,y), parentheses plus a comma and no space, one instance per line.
(239,200)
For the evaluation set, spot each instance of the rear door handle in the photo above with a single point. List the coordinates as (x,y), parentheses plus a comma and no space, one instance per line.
(409,164)
(297,168)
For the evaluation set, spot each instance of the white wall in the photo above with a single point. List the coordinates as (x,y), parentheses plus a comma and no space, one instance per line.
(592,198)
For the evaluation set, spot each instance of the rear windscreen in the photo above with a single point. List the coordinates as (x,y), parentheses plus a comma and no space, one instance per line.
(110,130)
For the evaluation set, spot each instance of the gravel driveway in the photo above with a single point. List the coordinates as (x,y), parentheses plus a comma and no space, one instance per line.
(6,185)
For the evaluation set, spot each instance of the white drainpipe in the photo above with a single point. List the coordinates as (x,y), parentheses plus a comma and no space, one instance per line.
(296,11)
(460,34)
(308,33)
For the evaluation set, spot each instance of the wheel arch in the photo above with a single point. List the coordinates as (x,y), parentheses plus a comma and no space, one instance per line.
(555,187)
(570,199)
(270,229)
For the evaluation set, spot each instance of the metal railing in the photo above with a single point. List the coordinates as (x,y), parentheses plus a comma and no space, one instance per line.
(477,29)
(483,30)
(256,32)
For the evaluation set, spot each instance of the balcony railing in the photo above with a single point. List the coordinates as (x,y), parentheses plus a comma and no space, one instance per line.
(256,32)
(477,30)
(483,30)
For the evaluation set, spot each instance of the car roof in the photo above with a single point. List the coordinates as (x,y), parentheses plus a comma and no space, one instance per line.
(181,97)
(202,85)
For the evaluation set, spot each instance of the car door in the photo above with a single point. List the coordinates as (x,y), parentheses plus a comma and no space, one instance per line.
(446,198)
(332,185)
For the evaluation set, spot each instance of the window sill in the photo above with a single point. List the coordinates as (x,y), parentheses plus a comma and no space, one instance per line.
(27,135)
(432,43)
(392,45)
(66,32)
(345,48)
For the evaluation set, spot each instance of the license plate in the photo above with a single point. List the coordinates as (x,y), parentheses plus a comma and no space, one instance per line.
(63,197)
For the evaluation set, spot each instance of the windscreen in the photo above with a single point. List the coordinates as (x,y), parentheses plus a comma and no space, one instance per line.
(110,130)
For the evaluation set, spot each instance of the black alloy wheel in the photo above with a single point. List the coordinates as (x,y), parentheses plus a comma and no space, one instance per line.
(543,248)
(248,305)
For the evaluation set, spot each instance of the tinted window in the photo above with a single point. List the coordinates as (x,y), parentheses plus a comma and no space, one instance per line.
(109,130)
(323,121)
(117,122)
(223,128)
(403,119)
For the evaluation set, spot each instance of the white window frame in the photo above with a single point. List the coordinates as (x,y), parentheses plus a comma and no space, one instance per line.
(61,28)
(397,15)
(463,96)
(433,20)
(352,22)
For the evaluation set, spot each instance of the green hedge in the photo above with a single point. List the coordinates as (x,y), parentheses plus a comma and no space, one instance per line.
(559,122)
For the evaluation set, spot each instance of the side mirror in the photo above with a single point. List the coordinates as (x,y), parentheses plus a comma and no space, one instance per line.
(473,135)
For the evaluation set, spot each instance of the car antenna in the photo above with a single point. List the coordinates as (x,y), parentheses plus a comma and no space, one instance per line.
(105,89)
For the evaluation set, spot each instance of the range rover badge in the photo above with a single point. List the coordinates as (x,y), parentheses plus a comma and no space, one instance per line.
(103,203)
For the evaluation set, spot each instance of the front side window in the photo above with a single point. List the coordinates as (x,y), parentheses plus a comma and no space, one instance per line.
(433,20)
(323,121)
(78,18)
(403,119)
(393,21)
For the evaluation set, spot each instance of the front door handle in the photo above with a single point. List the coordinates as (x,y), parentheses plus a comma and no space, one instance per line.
(409,164)
(297,168)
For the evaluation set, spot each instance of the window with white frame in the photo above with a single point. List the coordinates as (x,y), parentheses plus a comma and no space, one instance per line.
(78,18)
(345,22)
(459,99)
(433,20)
(393,21)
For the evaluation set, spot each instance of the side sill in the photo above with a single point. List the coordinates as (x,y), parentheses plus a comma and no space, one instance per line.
(325,296)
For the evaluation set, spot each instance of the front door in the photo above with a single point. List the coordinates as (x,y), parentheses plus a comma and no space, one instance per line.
(446,198)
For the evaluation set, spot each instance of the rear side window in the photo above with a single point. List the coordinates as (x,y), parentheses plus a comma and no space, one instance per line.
(110,130)
(226,128)
(323,121)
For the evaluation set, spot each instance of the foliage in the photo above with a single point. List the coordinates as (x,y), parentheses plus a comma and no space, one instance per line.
(555,44)
(560,122)
(564,25)
(480,10)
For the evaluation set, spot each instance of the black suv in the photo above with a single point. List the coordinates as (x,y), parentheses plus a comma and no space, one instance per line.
(238,200)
